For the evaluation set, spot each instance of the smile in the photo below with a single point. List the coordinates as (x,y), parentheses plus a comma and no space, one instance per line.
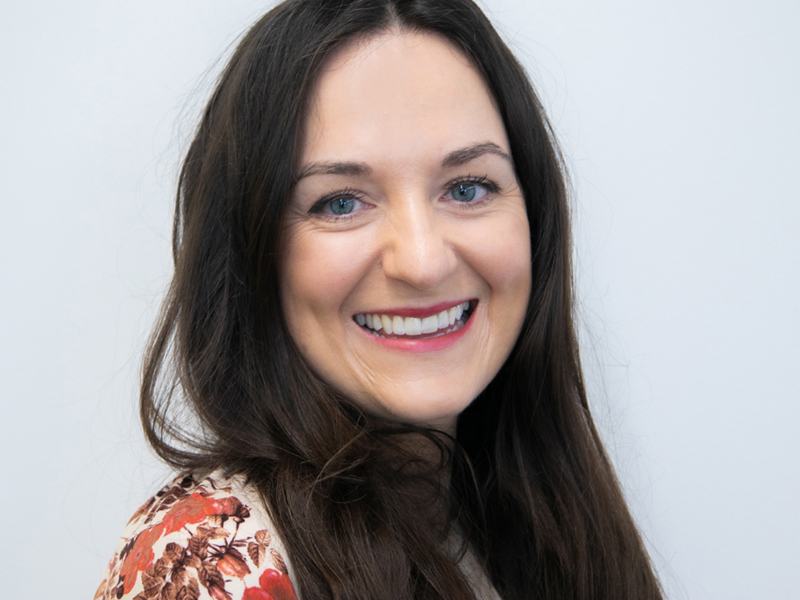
(434,325)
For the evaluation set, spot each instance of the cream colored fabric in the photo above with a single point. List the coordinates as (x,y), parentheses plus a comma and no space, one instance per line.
(199,539)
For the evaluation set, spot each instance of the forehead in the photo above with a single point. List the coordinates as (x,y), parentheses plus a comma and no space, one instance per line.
(397,96)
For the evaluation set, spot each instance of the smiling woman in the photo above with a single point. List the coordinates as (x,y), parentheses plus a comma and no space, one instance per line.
(366,366)
(407,216)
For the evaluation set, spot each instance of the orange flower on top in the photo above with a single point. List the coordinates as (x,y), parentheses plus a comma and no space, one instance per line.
(195,509)
(140,556)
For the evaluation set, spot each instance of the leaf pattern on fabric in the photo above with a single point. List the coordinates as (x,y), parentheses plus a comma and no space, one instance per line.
(196,540)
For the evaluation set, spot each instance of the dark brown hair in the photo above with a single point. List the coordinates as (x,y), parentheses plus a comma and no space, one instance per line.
(531,489)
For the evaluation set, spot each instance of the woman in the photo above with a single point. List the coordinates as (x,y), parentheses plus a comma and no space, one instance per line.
(366,364)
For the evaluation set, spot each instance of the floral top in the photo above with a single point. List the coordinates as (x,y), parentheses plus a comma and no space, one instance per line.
(199,539)
(210,539)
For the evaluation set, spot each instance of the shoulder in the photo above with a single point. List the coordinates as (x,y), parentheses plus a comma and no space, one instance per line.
(199,539)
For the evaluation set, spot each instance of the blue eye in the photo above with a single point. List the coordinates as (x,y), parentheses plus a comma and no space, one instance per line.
(342,206)
(466,192)
(339,206)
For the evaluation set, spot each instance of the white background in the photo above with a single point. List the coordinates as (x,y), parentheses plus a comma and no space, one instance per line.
(679,123)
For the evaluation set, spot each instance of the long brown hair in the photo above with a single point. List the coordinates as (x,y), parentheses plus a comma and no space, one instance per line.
(531,490)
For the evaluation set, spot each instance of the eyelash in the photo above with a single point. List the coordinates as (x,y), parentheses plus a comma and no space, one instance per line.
(490,186)
(319,205)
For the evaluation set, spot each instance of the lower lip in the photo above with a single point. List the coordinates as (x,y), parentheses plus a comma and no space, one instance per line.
(422,345)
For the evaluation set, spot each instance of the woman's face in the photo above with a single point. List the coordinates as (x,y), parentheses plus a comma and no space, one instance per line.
(406,211)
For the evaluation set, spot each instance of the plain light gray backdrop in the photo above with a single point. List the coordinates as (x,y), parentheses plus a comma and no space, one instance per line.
(680,125)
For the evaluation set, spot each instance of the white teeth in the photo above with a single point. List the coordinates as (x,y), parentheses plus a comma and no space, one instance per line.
(412,326)
(449,320)
(398,326)
(429,324)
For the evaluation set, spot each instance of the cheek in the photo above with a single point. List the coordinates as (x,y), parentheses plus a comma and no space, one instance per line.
(318,273)
(503,254)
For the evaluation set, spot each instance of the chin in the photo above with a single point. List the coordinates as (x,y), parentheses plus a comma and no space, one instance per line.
(439,412)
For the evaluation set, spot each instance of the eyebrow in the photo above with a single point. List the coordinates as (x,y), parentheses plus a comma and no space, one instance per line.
(353,169)
(357,169)
(464,155)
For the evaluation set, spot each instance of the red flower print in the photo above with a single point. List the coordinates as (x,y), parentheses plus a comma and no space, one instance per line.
(277,584)
(256,593)
(193,509)
(140,556)
(274,586)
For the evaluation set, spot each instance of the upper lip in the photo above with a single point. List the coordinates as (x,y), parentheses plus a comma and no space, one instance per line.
(419,313)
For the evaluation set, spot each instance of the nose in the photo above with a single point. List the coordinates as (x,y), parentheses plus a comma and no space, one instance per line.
(416,247)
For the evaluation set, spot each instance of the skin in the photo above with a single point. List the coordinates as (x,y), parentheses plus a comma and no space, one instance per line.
(397,106)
